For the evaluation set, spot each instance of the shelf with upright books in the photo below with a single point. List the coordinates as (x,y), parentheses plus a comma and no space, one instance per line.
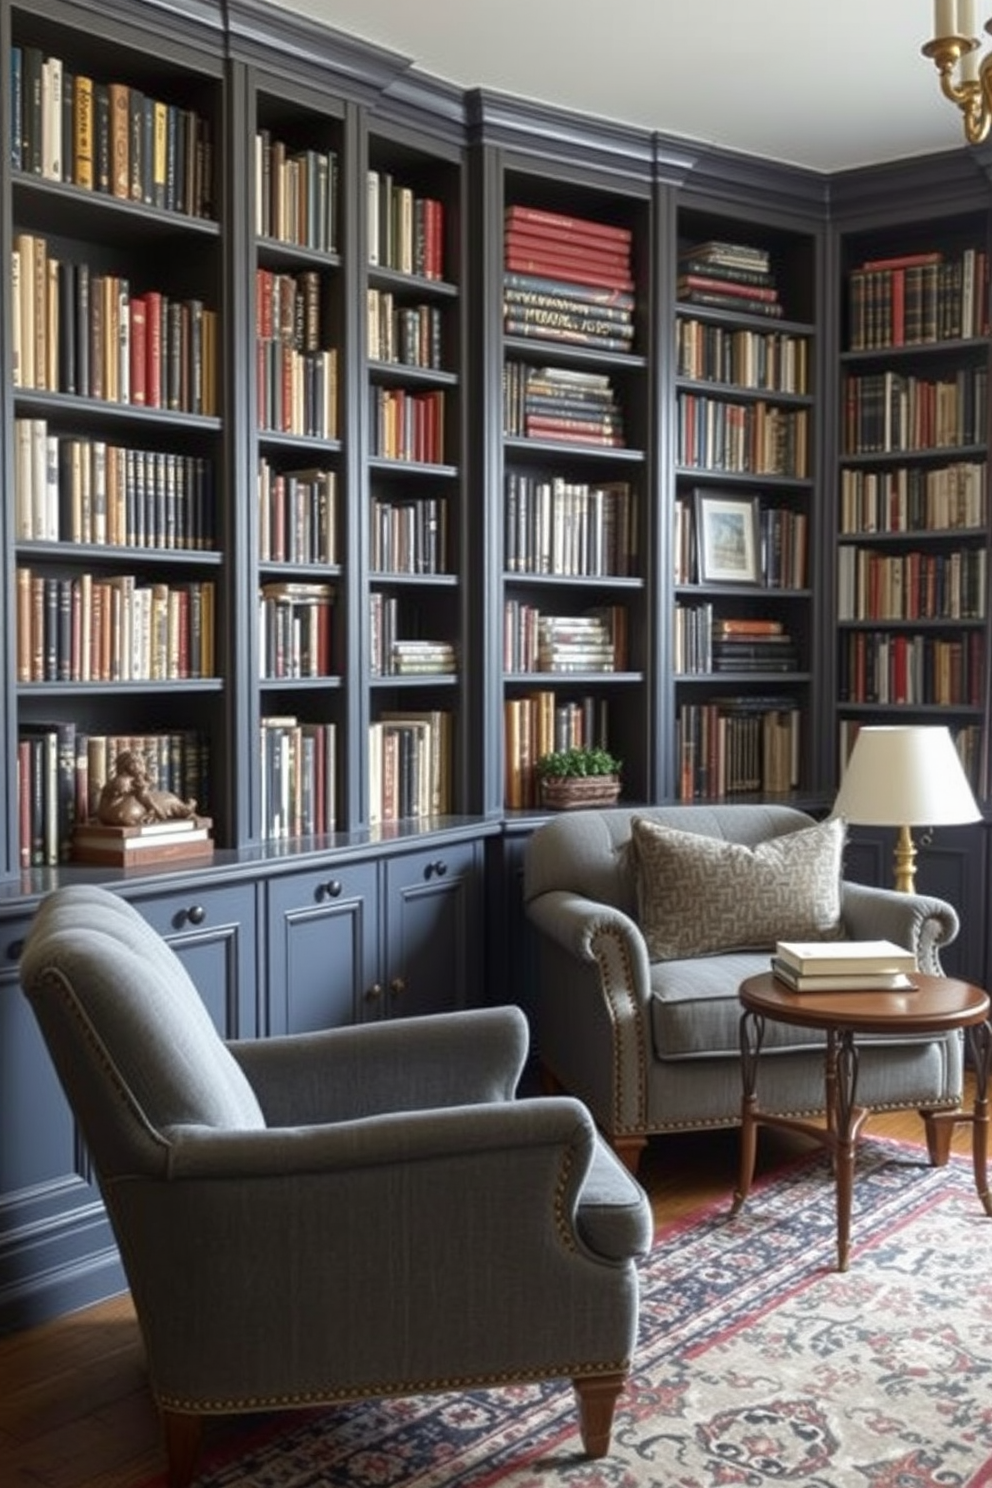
(297,227)
(414,351)
(743,646)
(119,568)
(912,501)
(575,514)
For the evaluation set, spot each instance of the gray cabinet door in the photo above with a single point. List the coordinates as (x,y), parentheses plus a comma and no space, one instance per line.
(56,1249)
(322,948)
(213,931)
(433,930)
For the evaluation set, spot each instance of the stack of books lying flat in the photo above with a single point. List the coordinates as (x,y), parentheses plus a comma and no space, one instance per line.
(843,965)
(178,839)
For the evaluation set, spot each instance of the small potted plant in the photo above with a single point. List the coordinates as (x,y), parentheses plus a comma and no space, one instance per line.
(569,778)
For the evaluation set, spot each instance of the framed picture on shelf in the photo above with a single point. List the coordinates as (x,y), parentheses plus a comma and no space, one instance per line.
(728,539)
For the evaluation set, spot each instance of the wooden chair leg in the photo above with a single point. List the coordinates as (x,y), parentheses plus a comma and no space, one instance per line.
(629,1150)
(182,1445)
(939,1127)
(598,1395)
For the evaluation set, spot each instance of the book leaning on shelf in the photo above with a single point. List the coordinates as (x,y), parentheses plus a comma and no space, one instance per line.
(843,966)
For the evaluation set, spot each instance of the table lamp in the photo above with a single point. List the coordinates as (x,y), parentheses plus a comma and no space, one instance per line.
(905,776)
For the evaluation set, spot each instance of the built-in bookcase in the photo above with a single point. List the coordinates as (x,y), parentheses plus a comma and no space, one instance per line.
(297,417)
(575,281)
(118,592)
(744,521)
(413,508)
(912,513)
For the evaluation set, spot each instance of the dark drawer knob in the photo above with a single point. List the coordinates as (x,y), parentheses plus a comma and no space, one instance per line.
(437,869)
(333,889)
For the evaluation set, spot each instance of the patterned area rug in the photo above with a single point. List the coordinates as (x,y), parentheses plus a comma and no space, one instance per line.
(759,1363)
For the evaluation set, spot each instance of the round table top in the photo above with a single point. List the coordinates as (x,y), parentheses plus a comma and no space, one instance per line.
(931,1005)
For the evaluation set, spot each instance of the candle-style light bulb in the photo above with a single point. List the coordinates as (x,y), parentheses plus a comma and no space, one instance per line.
(945,16)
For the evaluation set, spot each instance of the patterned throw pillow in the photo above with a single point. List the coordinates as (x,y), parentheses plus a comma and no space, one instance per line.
(700,895)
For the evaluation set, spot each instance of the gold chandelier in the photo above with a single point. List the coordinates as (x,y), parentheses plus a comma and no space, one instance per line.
(965,77)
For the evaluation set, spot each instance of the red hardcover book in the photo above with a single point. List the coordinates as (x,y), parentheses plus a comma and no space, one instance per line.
(153,349)
(139,349)
(569,249)
(561,221)
(24,802)
(550,266)
(728,287)
(903,260)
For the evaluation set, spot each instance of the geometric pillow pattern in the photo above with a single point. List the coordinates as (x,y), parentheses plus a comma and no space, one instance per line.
(698,896)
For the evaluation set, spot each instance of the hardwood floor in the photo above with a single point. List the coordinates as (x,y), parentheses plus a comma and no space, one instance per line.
(74,1408)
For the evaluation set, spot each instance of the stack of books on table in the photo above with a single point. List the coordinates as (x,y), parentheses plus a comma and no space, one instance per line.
(843,965)
(178,839)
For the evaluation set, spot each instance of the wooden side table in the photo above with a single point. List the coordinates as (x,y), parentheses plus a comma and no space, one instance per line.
(933,1005)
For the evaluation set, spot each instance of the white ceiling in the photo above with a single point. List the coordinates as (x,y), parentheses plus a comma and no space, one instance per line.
(829,84)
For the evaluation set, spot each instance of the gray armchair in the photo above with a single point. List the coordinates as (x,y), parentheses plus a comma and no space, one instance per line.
(652,1046)
(366,1211)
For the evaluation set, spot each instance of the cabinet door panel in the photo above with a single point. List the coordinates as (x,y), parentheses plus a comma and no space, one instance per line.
(213,932)
(434,961)
(322,955)
(56,1249)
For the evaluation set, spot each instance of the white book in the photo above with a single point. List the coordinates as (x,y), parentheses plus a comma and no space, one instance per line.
(844,957)
(51,119)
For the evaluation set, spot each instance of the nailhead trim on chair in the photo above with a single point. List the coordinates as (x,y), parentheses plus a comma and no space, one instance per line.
(396,1387)
(604,940)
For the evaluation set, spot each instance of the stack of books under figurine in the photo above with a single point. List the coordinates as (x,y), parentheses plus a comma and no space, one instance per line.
(144,844)
(844,965)
(729,276)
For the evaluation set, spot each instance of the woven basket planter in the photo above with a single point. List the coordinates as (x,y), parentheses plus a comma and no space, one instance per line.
(572,792)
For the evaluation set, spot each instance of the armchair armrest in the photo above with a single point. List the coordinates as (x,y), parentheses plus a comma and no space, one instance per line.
(592,1016)
(419,1063)
(917,921)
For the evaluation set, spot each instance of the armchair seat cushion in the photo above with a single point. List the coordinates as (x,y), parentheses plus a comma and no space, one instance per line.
(613,1219)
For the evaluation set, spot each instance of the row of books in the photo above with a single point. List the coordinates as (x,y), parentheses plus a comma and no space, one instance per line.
(393,655)
(88,491)
(405,229)
(76,331)
(768,361)
(407,425)
(882,667)
(843,965)
(595,641)
(410,536)
(559,526)
(967,741)
(61,770)
(908,498)
(298,777)
(728,276)
(885,412)
(297,391)
(911,299)
(107,136)
(703,644)
(561,403)
(407,335)
(733,745)
(120,629)
(783,546)
(409,765)
(296,194)
(543,244)
(295,629)
(912,586)
(741,438)
(297,515)
(538,723)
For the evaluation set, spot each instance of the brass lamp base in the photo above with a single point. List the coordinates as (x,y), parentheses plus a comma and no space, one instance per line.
(904,859)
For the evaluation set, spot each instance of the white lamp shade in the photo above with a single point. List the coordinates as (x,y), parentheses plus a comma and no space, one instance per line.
(905,776)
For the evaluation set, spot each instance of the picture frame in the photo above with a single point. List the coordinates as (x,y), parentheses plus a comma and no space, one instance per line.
(728,538)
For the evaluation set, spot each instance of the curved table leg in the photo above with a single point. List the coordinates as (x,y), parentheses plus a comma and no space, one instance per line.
(752,1033)
(849,1121)
(980,1038)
